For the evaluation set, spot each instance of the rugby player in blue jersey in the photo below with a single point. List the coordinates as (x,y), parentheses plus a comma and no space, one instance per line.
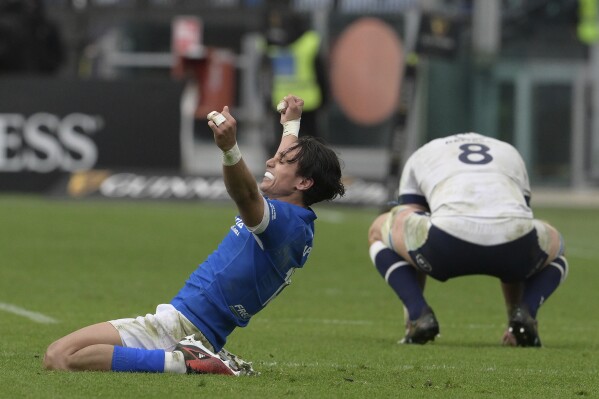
(270,238)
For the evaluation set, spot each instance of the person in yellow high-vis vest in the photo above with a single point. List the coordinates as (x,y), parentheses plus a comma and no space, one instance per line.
(294,70)
(295,66)
(588,26)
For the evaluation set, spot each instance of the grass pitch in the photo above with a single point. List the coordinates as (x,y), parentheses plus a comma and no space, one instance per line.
(332,334)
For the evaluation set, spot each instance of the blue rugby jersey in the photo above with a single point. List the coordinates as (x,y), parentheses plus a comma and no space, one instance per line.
(246,271)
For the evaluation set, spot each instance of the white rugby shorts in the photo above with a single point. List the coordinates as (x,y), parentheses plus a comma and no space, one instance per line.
(162,330)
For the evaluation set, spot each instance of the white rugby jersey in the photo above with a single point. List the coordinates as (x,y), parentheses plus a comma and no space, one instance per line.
(475,186)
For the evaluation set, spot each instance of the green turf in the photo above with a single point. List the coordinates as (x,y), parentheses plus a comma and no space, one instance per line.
(331,334)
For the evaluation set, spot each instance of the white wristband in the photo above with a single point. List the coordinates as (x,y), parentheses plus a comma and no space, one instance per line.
(231,156)
(291,128)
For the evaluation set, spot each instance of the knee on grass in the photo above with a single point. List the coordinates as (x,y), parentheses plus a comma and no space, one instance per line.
(56,358)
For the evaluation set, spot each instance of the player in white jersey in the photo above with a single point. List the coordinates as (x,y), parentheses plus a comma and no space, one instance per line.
(464,209)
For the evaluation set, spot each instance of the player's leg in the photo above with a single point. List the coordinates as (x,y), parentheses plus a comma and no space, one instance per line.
(143,344)
(401,276)
(164,342)
(89,348)
(512,295)
(99,348)
(522,330)
(405,280)
(539,286)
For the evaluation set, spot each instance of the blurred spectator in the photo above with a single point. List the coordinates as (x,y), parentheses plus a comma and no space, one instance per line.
(293,64)
(29,42)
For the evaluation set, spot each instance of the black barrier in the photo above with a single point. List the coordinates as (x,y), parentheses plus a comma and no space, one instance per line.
(50,127)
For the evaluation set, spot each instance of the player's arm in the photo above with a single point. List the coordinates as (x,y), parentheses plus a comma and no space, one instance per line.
(239,181)
(291,111)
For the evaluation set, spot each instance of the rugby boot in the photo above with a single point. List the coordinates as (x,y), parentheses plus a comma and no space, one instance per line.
(423,329)
(522,330)
(200,360)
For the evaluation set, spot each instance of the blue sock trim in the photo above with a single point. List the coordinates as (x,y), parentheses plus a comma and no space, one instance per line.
(137,360)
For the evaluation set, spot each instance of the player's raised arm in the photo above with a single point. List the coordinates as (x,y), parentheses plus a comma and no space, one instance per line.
(291,111)
(239,181)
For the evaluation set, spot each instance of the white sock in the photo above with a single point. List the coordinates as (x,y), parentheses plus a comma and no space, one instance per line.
(174,362)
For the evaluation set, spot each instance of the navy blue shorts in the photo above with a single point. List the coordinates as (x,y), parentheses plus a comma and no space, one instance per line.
(444,256)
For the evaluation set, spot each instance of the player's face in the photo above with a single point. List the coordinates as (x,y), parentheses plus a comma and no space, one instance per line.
(280,179)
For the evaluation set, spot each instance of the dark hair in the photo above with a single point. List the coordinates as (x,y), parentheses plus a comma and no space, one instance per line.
(315,160)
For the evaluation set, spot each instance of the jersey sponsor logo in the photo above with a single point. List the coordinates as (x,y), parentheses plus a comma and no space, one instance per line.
(240,311)
(238,222)
(423,263)
(238,225)
(307,250)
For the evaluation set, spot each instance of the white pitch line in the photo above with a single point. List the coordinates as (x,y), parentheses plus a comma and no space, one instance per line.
(34,316)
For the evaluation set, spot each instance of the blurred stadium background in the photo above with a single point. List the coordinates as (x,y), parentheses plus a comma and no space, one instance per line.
(108,97)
